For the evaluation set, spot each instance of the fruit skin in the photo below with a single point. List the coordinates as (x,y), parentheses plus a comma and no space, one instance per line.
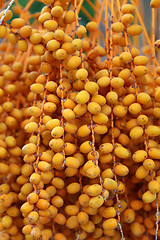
(94,190)
(96,202)
(154,187)
(137,229)
(140,60)
(122,152)
(141,172)
(3,32)
(82,97)
(154,4)
(148,197)
(157,44)
(129,215)
(154,153)
(109,212)
(128,8)
(134,30)
(109,184)
(136,132)
(149,164)
(92,26)
(117,27)
(17,23)
(139,156)
(110,224)
(121,170)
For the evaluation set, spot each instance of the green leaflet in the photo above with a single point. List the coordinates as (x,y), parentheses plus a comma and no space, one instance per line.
(89,9)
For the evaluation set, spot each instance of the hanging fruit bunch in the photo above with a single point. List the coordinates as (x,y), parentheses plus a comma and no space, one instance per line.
(79,121)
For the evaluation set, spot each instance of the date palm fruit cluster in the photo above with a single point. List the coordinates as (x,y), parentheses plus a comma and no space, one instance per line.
(79,123)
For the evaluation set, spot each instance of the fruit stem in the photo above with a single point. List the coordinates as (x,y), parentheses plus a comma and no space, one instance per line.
(157,219)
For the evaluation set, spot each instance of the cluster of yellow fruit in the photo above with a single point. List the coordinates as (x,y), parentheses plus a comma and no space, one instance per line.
(79,126)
